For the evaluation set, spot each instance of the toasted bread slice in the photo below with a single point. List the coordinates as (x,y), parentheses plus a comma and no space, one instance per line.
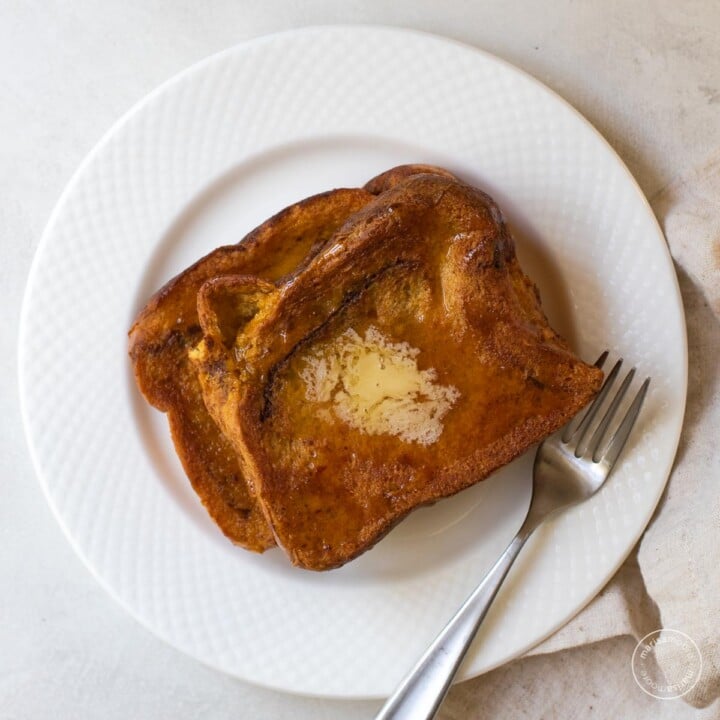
(168,325)
(409,360)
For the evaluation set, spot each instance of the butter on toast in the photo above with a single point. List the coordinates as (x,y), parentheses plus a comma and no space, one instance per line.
(168,325)
(409,360)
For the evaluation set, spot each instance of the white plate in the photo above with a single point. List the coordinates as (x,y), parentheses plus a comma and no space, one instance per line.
(196,165)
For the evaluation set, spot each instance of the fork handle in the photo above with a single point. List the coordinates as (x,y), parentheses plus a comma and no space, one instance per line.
(420,694)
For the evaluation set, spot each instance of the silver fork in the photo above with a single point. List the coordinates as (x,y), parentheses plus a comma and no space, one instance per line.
(570,466)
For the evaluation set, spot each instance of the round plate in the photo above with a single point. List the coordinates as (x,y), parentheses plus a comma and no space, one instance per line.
(200,162)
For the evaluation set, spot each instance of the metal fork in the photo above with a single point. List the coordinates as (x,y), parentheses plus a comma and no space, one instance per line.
(570,466)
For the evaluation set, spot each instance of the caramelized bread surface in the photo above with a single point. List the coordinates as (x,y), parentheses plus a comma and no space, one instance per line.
(168,325)
(408,360)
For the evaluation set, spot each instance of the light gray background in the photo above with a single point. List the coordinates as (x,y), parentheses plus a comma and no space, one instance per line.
(647,74)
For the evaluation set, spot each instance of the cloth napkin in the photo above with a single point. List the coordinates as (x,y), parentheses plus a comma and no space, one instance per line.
(672,578)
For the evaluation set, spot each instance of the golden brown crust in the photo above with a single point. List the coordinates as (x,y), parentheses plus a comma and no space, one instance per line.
(394,176)
(330,490)
(168,325)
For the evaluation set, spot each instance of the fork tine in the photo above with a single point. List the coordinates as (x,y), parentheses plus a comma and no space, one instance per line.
(584,426)
(616,445)
(599,433)
(571,428)
(601,360)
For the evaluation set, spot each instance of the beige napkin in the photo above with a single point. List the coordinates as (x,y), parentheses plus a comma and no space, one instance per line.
(672,578)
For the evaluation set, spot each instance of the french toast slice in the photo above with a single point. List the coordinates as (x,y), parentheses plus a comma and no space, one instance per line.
(409,360)
(168,325)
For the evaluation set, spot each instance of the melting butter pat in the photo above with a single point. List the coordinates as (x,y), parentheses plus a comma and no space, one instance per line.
(376,387)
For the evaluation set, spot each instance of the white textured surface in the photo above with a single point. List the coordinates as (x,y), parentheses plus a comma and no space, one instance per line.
(327,107)
(645,72)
